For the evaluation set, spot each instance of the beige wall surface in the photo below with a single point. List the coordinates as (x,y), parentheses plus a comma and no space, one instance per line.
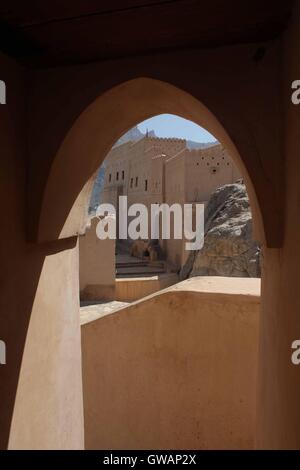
(48,412)
(175,370)
(175,193)
(279,380)
(129,289)
(96,265)
(206,170)
(41,388)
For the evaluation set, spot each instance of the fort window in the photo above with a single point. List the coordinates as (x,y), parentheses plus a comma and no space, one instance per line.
(117,177)
(109,178)
(136,181)
(146,185)
(123,174)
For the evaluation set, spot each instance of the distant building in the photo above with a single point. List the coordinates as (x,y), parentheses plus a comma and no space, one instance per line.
(156,170)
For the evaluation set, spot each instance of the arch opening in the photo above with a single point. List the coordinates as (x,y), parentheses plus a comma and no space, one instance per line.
(94,133)
(167,165)
(70,181)
(167,168)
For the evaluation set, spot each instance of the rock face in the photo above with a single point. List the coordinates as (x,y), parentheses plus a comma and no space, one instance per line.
(97,188)
(134,135)
(228,249)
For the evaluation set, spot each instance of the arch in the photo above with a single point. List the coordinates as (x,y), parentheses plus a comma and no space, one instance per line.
(100,125)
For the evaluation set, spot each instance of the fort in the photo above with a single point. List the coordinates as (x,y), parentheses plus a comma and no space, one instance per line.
(157,170)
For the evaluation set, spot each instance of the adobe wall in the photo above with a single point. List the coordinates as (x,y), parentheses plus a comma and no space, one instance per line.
(176,370)
(96,265)
(133,288)
(192,176)
(175,193)
(279,380)
(48,411)
(130,165)
(41,388)
(207,170)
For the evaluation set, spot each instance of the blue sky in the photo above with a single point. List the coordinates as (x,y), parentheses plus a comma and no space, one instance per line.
(169,125)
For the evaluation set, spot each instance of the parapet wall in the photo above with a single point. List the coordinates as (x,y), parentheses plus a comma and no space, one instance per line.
(174,370)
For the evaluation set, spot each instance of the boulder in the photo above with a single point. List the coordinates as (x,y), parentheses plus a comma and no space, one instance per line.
(228,249)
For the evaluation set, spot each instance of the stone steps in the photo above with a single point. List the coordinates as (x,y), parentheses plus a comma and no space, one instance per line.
(131,266)
(139,271)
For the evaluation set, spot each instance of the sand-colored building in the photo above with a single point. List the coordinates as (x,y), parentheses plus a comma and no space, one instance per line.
(164,170)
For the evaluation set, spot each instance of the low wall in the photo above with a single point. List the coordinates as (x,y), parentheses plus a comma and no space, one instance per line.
(96,265)
(175,370)
(133,288)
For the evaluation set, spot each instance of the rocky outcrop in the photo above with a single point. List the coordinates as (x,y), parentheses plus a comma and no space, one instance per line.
(192,145)
(97,188)
(228,249)
(133,135)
